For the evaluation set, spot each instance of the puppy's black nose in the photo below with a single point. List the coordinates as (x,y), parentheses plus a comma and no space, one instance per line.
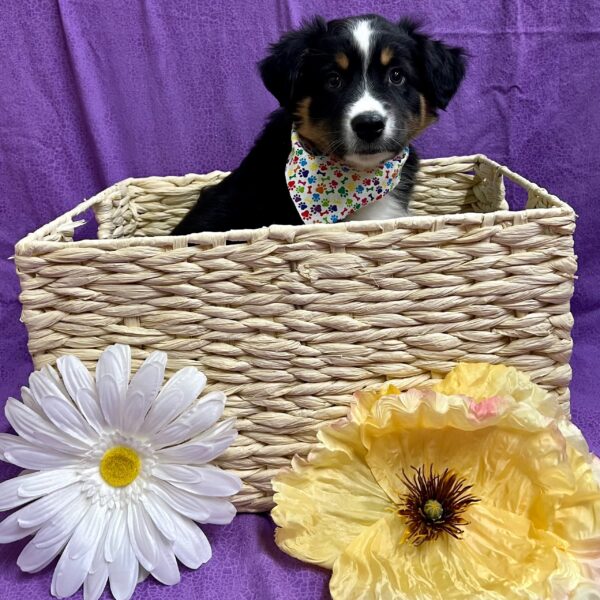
(368,126)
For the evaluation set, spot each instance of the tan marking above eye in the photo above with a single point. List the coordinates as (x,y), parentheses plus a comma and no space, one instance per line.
(386,56)
(342,60)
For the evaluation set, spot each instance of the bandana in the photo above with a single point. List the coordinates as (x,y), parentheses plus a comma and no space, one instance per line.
(326,191)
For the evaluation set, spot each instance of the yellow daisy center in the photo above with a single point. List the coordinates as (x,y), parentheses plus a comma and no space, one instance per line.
(120,466)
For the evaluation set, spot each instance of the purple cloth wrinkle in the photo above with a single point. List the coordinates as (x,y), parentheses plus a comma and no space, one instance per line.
(93,92)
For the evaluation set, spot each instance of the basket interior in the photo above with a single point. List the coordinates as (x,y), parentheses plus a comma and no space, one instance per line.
(474,184)
(150,207)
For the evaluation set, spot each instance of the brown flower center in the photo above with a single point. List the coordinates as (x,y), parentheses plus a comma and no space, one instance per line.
(433,505)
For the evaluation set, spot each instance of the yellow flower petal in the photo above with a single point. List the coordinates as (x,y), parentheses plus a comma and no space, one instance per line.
(325,502)
(586,591)
(534,532)
(513,457)
(481,380)
(376,566)
(577,516)
(497,559)
(360,409)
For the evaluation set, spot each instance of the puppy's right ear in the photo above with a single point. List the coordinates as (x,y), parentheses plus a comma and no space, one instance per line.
(441,68)
(281,69)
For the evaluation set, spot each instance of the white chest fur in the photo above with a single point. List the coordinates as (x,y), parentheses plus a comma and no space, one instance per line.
(389,207)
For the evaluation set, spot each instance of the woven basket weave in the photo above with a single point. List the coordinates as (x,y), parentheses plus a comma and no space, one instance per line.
(292,320)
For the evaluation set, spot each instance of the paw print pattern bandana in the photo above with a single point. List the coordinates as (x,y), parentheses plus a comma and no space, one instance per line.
(326,191)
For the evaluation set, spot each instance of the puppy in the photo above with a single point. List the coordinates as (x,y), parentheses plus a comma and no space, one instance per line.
(353,93)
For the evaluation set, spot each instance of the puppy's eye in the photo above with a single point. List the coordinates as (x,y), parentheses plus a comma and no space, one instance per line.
(396,77)
(333,81)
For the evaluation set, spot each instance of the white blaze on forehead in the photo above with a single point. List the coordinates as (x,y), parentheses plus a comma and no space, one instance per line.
(362,33)
(362,36)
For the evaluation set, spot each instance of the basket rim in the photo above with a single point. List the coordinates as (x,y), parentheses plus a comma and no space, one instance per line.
(289,232)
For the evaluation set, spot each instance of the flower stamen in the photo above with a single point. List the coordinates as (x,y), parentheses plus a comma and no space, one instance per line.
(433,505)
(120,466)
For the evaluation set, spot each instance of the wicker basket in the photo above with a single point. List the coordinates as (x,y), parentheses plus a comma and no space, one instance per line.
(293,320)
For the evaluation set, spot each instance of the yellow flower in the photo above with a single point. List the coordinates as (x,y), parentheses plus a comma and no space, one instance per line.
(477,489)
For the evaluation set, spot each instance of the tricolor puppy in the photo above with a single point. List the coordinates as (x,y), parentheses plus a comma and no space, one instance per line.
(354,93)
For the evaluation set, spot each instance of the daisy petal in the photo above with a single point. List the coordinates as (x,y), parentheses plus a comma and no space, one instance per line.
(62,525)
(39,484)
(10,530)
(142,574)
(39,431)
(88,534)
(95,582)
(115,532)
(142,533)
(51,374)
(22,489)
(5,441)
(160,517)
(25,455)
(9,493)
(215,432)
(38,512)
(30,402)
(142,391)
(76,560)
(59,409)
(33,559)
(205,480)
(204,414)
(112,377)
(179,392)
(191,546)
(123,571)
(38,554)
(82,388)
(166,570)
(204,448)
(31,517)
(199,508)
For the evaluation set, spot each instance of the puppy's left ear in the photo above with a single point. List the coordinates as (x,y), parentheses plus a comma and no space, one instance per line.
(281,69)
(440,68)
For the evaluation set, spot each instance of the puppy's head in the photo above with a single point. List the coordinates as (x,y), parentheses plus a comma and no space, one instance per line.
(361,88)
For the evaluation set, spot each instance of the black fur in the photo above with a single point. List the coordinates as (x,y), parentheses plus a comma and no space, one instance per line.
(300,66)
(440,68)
(282,67)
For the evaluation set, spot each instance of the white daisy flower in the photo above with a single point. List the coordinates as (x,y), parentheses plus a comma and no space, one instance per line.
(116,473)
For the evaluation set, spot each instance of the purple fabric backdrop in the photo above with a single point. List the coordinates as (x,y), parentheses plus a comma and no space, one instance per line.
(95,91)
